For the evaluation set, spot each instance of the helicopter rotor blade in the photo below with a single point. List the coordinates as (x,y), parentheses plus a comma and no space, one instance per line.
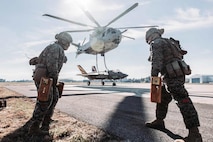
(92,18)
(89,16)
(122,14)
(138,27)
(128,37)
(73,31)
(59,18)
(124,31)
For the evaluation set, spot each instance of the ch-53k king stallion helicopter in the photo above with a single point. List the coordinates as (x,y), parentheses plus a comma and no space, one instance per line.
(104,38)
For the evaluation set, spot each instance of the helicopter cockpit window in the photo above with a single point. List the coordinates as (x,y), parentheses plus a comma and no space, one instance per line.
(113,31)
(116,41)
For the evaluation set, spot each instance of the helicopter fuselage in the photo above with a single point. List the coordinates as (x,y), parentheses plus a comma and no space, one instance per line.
(102,40)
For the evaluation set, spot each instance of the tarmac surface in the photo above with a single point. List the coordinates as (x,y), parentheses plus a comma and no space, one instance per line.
(124,109)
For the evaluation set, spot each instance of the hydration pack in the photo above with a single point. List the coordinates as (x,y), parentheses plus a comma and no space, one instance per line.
(176,48)
(178,67)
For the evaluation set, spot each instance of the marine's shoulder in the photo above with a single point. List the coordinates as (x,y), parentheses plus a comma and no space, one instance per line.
(55,46)
(159,42)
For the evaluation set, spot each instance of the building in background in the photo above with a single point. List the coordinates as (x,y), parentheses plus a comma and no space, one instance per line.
(201,78)
(2,80)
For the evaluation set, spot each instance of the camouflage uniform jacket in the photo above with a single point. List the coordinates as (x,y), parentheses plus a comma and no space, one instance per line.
(160,55)
(52,57)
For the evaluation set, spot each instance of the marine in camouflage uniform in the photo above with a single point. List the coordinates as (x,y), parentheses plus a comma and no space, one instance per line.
(51,60)
(161,55)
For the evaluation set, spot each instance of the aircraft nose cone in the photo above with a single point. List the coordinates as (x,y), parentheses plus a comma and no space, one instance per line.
(124,75)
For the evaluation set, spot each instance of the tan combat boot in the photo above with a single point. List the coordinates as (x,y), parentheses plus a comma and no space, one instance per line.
(194,136)
(156,124)
(35,130)
(46,123)
(45,127)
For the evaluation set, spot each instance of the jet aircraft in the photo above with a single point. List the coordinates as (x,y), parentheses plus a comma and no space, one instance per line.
(101,75)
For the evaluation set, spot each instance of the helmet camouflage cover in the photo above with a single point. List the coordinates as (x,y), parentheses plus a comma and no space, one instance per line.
(152,32)
(64,37)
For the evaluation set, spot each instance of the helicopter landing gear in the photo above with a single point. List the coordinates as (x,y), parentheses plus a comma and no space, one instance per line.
(88,83)
(103,55)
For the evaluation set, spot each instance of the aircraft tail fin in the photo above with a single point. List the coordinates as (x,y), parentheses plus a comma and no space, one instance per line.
(81,69)
(94,69)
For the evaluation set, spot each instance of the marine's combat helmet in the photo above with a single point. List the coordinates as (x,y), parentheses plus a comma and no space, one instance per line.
(64,38)
(152,33)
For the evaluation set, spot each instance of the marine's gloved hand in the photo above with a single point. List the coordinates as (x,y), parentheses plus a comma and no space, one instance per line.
(65,59)
(33,61)
(54,76)
(154,73)
(54,85)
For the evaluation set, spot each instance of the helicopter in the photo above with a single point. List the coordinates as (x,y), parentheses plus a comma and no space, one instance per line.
(104,38)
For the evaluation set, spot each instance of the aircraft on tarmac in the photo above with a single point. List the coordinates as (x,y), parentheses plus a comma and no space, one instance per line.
(104,38)
(104,75)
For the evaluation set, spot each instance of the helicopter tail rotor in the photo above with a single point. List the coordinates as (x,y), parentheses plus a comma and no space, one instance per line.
(76,45)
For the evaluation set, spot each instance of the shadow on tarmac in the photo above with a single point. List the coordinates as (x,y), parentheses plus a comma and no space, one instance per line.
(127,121)
(129,118)
(169,133)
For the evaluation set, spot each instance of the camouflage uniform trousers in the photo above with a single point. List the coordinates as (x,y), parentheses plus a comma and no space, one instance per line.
(177,91)
(44,110)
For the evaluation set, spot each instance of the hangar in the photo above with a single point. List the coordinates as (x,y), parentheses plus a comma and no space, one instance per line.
(201,78)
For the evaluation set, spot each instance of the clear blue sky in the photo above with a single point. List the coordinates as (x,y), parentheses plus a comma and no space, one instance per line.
(25,33)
